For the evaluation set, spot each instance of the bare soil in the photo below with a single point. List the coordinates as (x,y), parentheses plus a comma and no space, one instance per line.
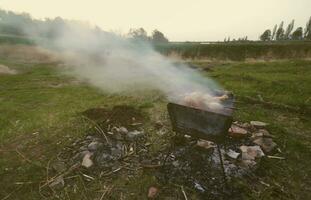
(119,115)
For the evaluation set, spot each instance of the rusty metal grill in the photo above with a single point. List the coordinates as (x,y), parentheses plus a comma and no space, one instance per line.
(199,123)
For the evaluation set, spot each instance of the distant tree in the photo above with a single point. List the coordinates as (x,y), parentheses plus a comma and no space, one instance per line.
(242,39)
(22,24)
(297,34)
(289,29)
(266,36)
(225,40)
(14,24)
(274,32)
(138,34)
(55,26)
(280,32)
(228,39)
(307,33)
(158,37)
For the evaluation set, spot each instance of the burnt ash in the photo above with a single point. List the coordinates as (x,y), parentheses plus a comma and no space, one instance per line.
(118,147)
(199,170)
(114,146)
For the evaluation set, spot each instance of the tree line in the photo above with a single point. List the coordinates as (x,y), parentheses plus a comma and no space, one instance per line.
(24,25)
(141,34)
(241,39)
(278,33)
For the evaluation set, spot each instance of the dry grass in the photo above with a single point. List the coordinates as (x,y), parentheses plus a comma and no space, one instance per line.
(28,54)
(6,70)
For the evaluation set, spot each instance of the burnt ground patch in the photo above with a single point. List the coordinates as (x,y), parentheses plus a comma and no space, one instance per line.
(124,115)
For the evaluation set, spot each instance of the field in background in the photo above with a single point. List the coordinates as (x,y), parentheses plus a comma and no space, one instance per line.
(234,51)
(10,39)
(237,51)
(41,113)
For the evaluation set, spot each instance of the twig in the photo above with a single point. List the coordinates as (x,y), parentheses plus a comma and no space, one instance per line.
(73,167)
(22,155)
(39,188)
(87,176)
(131,169)
(265,184)
(151,166)
(276,157)
(24,183)
(121,196)
(7,196)
(184,193)
(117,169)
(85,191)
(67,194)
(104,193)
(107,191)
(27,159)
(177,185)
(114,171)
(47,171)
(98,128)
(103,133)
(70,177)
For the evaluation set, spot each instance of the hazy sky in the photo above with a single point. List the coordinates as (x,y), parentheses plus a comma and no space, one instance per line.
(179,20)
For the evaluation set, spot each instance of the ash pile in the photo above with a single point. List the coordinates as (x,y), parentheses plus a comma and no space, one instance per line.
(112,150)
(116,143)
(117,146)
(202,166)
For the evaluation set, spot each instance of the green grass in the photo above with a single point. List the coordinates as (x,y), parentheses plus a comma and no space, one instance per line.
(281,82)
(10,39)
(40,114)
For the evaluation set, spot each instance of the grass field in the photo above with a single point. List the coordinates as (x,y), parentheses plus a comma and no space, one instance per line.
(41,113)
(238,51)
(234,51)
(9,39)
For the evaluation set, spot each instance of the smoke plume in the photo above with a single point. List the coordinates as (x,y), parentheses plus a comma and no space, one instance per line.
(118,64)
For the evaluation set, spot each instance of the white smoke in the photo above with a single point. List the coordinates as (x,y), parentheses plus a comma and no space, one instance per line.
(117,64)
